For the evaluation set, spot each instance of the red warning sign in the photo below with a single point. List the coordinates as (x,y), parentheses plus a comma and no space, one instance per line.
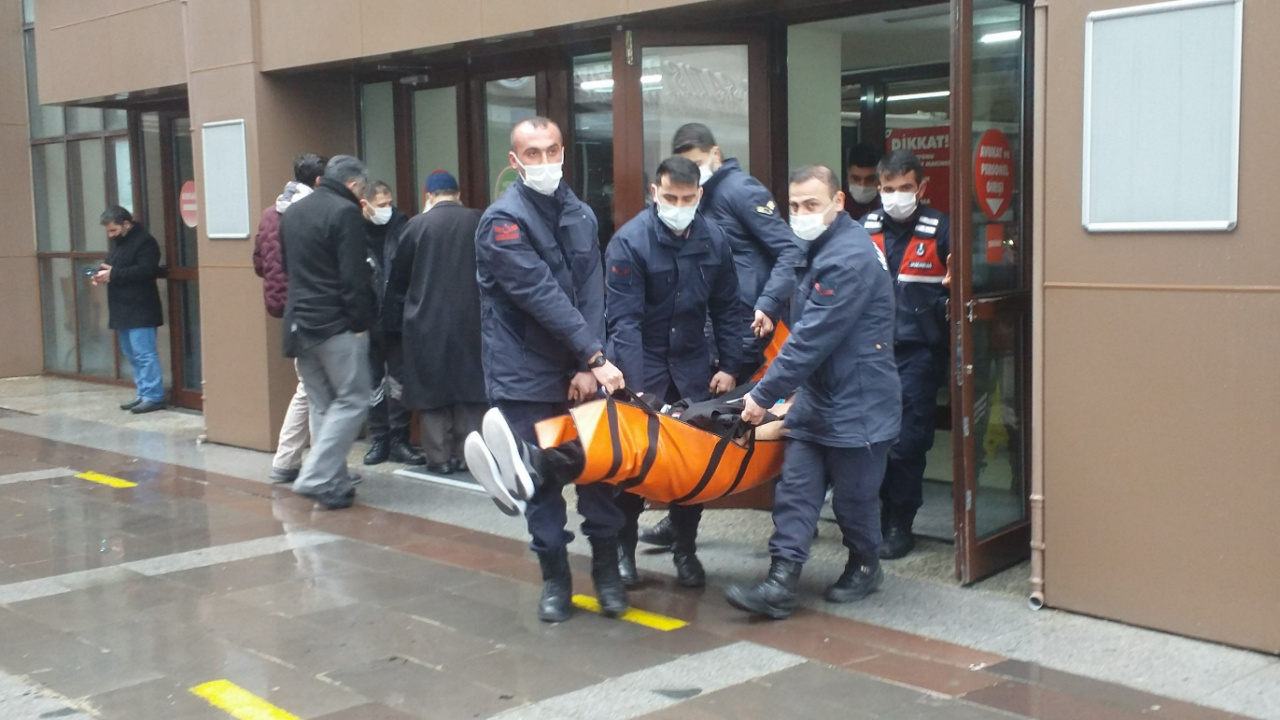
(993,174)
(188,205)
(932,145)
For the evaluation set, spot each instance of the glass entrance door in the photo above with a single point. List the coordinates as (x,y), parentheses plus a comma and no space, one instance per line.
(990,298)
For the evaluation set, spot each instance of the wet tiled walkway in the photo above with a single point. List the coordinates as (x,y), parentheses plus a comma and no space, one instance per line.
(147,590)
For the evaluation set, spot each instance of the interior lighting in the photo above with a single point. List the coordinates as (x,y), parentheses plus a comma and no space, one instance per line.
(606,85)
(919,96)
(999,37)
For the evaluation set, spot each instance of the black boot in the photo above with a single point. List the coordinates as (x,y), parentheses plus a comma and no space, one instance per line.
(627,557)
(689,572)
(774,597)
(557,586)
(379,451)
(862,576)
(898,540)
(662,535)
(403,452)
(610,591)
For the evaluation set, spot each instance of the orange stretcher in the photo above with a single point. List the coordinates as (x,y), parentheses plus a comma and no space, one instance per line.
(661,458)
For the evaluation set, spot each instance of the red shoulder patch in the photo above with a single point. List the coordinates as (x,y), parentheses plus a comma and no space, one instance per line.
(620,270)
(825,292)
(502,233)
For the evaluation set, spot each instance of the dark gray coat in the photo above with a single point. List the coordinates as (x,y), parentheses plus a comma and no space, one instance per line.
(435,273)
(133,299)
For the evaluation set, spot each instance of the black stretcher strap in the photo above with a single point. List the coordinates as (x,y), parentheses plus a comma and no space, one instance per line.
(712,465)
(649,456)
(746,460)
(611,411)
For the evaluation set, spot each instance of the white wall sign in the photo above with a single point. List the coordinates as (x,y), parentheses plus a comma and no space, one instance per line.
(226,180)
(1162,117)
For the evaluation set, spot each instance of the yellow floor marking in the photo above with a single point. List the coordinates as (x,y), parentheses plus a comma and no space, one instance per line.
(238,702)
(635,615)
(107,480)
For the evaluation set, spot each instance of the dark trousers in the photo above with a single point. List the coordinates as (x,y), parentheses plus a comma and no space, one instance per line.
(685,518)
(387,417)
(547,513)
(444,430)
(919,369)
(854,475)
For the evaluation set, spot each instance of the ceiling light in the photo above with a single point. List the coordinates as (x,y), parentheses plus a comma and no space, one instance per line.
(597,85)
(919,96)
(999,37)
(650,79)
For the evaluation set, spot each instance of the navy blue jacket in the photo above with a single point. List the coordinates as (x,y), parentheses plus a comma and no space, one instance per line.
(839,358)
(659,289)
(764,248)
(541,293)
(922,303)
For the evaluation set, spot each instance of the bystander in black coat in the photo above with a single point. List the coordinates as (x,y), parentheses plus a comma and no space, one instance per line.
(133,300)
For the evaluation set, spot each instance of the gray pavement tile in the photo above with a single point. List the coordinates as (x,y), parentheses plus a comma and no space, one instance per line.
(421,691)
(103,604)
(160,699)
(1255,695)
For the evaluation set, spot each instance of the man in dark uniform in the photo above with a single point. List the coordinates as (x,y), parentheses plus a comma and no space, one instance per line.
(388,417)
(916,242)
(666,270)
(764,251)
(435,269)
(864,182)
(542,332)
(839,363)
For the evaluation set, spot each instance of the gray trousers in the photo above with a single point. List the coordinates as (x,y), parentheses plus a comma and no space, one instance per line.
(444,430)
(336,376)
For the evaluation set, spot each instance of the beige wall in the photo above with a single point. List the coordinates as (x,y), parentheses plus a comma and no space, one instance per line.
(21,352)
(1160,385)
(247,383)
(98,48)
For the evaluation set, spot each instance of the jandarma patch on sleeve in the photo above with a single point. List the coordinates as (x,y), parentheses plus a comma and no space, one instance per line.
(503,233)
(767,208)
(824,291)
(617,270)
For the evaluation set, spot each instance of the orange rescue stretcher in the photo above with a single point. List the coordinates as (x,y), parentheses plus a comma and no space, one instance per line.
(657,456)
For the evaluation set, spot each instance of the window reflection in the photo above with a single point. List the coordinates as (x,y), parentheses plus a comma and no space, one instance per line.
(508,101)
(592,152)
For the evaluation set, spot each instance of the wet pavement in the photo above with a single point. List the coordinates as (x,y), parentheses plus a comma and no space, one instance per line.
(135,589)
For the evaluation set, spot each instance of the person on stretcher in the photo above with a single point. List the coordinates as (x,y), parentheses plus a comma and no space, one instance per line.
(687,453)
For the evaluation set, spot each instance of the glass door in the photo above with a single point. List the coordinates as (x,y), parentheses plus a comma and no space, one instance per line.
(990,298)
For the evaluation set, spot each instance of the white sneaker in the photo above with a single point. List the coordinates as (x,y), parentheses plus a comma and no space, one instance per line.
(505,449)
(485,470)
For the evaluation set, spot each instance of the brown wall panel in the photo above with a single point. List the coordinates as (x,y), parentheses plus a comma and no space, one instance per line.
(22,351)
(501,17)
(306,32)
(392,25)
(221,33)
(1245,256)
(1161,460)
(120,47)
(236,357)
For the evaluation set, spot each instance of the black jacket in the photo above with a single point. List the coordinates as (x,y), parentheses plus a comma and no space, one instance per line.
(541,293)
(133,300)
(659,290)
(839,358)
(384,243)
(435,272)
(322,239)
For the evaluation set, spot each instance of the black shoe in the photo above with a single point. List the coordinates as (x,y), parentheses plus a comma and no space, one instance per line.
(610,591)
(898,542)
(689,571)
(774,597)
(556,603)
(444,468)
(403,452)
(860,579)
(379,452)
(333,500)
(458,465)
(283,475)
(627,560)
(131,404)
(146,406)
(662,535)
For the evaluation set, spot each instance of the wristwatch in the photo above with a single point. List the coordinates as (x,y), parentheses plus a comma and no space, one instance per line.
(598,362)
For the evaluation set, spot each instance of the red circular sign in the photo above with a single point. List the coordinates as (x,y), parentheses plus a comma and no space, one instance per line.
(188,205)
(993,174)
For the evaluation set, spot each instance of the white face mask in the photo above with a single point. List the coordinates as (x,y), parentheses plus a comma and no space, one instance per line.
(543,179)
(862,194)
(704,173)
(809,227)
(381,216)
(676,218)
(899,205)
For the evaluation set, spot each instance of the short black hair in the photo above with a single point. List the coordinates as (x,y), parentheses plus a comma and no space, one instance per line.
(863,155)
(680,171)
(806,173)
(308,168)
(691,136)
(536,122)
(115,214)
(344,169)
(373,189)
(900,162)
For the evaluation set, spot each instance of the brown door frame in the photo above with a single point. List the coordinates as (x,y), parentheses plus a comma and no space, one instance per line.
(176,275)
(976,557)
